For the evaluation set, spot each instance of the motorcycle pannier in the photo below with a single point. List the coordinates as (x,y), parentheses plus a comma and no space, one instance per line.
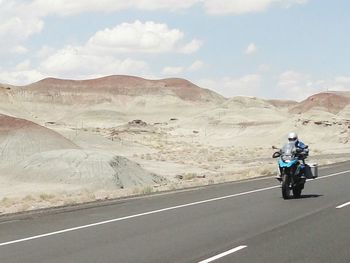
(311,171)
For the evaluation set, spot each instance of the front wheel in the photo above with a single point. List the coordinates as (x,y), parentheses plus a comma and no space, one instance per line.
(285,186)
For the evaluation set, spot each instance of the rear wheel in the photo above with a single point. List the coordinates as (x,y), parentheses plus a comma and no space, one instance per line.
(285,186)
(297,191)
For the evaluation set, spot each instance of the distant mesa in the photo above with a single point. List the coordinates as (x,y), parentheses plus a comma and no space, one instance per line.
(131,91)
(127,86)
(332,102)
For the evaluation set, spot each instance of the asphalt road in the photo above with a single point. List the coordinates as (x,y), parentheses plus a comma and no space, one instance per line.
(237,222)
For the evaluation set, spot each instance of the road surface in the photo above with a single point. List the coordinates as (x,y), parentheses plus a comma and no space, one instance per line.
(244,221)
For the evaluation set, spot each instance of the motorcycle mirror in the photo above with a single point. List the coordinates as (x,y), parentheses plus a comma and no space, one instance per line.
(276,155)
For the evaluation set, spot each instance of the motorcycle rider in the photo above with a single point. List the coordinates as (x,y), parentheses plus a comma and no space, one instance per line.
(293,137)
(299,146)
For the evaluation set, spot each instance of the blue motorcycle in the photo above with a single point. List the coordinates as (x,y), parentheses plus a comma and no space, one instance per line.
(292,165)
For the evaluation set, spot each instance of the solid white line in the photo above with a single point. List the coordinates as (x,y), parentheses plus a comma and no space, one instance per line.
(343,205)
(150,213)
(223,254)
(136,215)
(330,175)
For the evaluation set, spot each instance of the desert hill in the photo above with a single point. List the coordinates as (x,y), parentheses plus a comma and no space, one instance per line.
(104,101)
(119,85)
(332,102)
(20,138)
(41,154)
(82,168)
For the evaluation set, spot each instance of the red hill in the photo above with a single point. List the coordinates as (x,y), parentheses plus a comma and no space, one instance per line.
(332,102)
(124,85)
(20,138)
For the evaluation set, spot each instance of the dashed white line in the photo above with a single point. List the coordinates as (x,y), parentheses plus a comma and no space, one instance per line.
(224,254)
(150,213)
(343,205)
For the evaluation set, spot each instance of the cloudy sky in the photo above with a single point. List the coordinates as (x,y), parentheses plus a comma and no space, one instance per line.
(264,48)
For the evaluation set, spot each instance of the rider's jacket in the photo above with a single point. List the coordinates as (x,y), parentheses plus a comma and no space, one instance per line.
(300,144)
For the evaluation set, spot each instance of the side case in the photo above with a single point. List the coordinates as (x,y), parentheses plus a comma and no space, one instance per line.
(311,171)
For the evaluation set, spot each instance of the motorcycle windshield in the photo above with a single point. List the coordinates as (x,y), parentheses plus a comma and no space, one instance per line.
(288,151)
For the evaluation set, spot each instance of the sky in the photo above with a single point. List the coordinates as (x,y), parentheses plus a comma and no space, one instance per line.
(281,49)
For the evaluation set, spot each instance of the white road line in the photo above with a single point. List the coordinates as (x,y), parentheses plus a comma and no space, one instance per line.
(329,175)
(343,205)
(136,215)
(224,254)
(150,213)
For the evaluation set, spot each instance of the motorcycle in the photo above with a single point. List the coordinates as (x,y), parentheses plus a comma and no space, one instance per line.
(292,167)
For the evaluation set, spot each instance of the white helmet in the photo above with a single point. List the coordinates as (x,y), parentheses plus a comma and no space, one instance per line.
(292,137)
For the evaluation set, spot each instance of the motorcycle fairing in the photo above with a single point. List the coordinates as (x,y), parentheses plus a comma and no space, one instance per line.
(289,164)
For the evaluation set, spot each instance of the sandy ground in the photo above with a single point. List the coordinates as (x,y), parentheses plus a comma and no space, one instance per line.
(98,151)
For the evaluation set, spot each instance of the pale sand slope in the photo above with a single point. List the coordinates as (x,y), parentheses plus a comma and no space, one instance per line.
(79,167)
(21,138)
(36,153)
(37,163)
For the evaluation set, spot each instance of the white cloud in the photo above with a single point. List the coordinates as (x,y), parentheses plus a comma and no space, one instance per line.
(247,85)
(16,25)
(251,49)
(20,77)
(19,49)
(68,7)
(172,70)
(341,83)
(75,62)
(219,7)
(176,70)
(191,47)
(24,65)
(101,55)
(44,52)
(19,27)
(263,68)
(290,84)
(298,86)
(197,65)
(161,4)
(20,20)
(343,80)
(15,30)
(292,80)
(215,7)
(148,37)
